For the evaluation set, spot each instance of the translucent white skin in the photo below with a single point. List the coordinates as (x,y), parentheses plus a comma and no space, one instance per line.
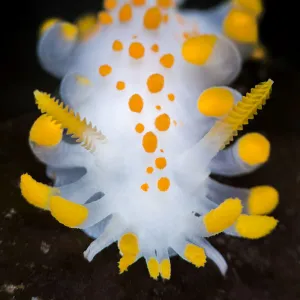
(163,221)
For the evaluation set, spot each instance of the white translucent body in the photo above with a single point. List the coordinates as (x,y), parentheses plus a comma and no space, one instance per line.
(161,220)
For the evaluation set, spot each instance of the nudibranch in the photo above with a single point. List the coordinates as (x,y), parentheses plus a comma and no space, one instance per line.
(145,98)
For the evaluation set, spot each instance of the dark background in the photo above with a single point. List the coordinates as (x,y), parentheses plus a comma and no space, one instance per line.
(40,258)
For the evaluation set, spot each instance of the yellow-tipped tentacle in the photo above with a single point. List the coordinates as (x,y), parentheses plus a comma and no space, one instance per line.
(86,134)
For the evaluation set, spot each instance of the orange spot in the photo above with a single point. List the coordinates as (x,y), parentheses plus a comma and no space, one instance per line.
(105,70)
(155,83)
(139,128)
(138,2)
(117,45)
(110,4)
(158,107)
(163,184)
(186,35)
(120,85)
(165,18)
(136,103)
(155,48)
(171,97)
(105,18)
(125,13)
(165,3)
(175,123)
(149,170)
(160,163)
(152,18)
(167,60)
(149,142)
(161,150)
(162,122)
(134,36)
(145,187)
(136,50)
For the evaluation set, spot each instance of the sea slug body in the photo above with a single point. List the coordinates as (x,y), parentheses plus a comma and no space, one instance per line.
(144,91)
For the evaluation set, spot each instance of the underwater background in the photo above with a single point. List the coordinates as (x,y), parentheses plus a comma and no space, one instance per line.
(41,259)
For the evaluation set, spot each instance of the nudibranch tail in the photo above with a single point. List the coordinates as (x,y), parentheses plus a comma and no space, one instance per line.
(156,84)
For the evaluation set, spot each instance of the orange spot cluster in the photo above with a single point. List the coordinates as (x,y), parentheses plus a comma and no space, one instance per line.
(155,84)
(150,146)
(153,18)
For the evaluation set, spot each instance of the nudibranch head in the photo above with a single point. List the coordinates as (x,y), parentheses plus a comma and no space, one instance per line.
(154,85)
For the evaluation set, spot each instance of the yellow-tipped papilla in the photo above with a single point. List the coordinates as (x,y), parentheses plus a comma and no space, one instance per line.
(196,255)
(85,25)
(125,262)
(69,31)
(128,244)
(224,216)
(36,193)
(253,6)
(68,213)
(129,248)
(253,149)
(215,102)
(165,269)
(262,200)
(241,26)
(45,132)
(197,50)
(255,227)
(153,267)
(47,24)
